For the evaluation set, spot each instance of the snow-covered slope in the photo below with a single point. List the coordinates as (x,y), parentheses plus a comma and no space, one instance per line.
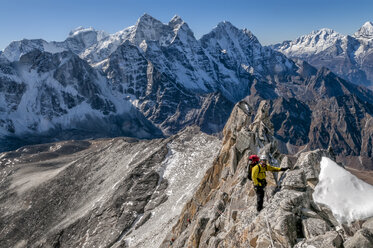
(78,41)
(313,43)
(56,94)
(16,49)
(119,192)
(146,28)
(365,32)
(348,197)
(351,57)
(240,48)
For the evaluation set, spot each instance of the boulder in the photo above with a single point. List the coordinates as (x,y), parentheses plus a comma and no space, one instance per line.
(330,239)
(368,224)
(313,227)
(362,239)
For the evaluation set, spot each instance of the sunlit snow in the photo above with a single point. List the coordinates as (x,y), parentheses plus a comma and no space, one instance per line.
(348,197)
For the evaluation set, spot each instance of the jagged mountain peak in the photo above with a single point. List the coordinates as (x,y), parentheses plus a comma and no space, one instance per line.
(226,30)
(147,20)
(149,29)
(324,31)
(178,24)
(226,24)
(182,31)
(228,27)
(223,27)
(319,37)
(82,38)
(80,29)
(313,43)
(248,32)
(366,31)
(176,20)
(18,48)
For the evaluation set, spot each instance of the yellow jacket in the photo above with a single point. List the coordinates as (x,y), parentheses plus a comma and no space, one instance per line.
(258,173)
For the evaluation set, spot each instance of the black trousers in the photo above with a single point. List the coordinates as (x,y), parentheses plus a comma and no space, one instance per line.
(259,198)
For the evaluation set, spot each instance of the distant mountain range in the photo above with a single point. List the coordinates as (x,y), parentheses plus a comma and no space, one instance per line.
(349,56)
(153,79)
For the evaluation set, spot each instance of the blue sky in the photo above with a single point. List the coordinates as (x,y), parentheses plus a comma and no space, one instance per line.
(271,21)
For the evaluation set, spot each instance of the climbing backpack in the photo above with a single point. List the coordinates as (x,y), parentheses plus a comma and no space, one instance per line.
(253,159)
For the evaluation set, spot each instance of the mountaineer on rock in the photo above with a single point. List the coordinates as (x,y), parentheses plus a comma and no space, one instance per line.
(259,179)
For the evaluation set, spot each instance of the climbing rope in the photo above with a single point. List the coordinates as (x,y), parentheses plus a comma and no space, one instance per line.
(221,213)
(269,230)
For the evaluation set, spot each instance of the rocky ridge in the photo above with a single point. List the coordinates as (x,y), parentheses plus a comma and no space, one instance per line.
(222,212)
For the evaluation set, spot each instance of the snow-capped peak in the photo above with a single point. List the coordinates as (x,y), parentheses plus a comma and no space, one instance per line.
(321,36)
(175,23)
(180,28)
(148,28)
(16,49)
(176,20)
(323,31)
(312,43)
(80,29)
(147,20)
(366,31)
(228,30)
(225,25)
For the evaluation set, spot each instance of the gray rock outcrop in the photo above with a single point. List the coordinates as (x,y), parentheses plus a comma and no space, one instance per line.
(223,213)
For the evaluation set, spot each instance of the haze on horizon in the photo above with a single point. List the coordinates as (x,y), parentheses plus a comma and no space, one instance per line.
(271,21)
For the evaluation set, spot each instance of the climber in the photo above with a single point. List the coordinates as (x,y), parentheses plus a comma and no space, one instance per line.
(259,179)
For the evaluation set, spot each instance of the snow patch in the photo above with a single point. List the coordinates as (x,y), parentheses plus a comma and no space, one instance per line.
(79,30)
(348,197)
(183,168)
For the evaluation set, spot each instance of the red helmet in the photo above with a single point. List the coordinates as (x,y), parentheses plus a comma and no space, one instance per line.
(254,158)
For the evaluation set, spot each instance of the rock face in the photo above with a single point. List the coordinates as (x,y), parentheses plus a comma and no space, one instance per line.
(333,119)
(348,56)
(113,192)
(223,213)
